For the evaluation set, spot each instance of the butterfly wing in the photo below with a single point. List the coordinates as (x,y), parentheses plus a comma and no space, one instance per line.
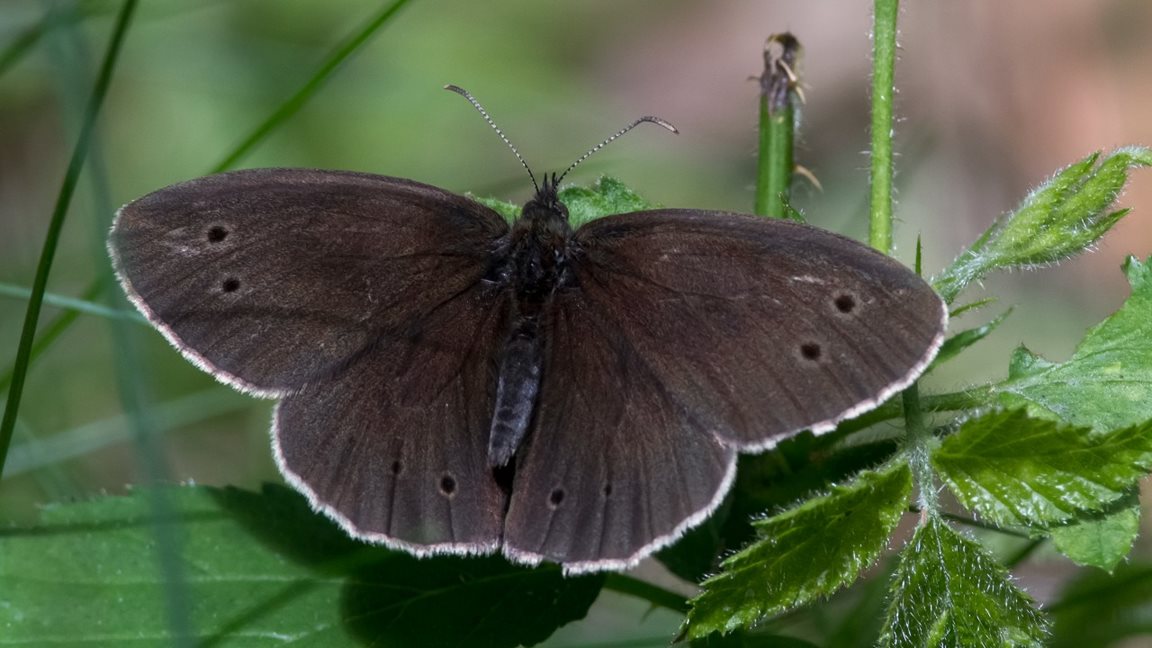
(395,448)
(270,278)
(359,299)
(689,335)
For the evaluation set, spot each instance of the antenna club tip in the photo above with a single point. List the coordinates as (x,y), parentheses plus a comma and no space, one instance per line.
(457,89)
(652,119)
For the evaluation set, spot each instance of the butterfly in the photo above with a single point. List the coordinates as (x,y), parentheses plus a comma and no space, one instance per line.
(450,383)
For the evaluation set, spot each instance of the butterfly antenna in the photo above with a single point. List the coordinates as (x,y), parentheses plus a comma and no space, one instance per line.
(647,118)
(484,113)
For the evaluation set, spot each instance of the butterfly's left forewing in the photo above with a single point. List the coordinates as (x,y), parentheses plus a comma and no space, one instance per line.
(359,299)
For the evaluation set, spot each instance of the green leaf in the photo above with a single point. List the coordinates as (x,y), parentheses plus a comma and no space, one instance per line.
(796,469)
(510,211)
(1107,383)
(1102,542)
(1017,470)
(607,196)
(262,570)
(947,591)
(964,339)
(1098,609)
(750,640)
(976,305)
(1059,219)
(807,552)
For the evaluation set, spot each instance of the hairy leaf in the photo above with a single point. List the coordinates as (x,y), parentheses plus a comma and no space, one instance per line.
(807,552)
(1059,219)
(1017,470)
(1107,383)
(1102,542)
(948,592)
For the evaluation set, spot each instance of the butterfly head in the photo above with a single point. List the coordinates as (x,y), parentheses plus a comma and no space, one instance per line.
(545,213)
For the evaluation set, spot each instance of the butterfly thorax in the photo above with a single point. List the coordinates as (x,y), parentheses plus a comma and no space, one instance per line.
(534,265)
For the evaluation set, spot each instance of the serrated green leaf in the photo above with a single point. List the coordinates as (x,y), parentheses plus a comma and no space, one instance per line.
(261,570)
(797,468)
(964,339)
(1102,542)
(1018,470)
(605,197)
(1107,383)
(807,552)
(1059,219)
(510,211)
(1098,609)
(948,592)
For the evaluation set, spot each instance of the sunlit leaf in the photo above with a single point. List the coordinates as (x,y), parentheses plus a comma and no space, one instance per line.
(807,552)
(1061,218)
(1107,383)
(949,593)
(1018,470)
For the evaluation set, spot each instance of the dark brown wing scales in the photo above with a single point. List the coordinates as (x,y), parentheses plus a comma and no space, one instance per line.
(759,327)
(268,278)
(358,298)
(395,448)
(688,335)
(615,466)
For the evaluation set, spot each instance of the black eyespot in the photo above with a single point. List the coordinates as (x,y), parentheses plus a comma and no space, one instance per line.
(607,490)
(447,485)
(231,284)
(811,351)
(397,467)
(845,303)
(216,233)
(556,497)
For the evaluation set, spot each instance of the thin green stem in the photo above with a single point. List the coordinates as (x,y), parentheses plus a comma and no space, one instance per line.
(644,590)
(56,225)
(893,409)
(919,446)
(774,172)
(775,164)
(883,74)
(297,100)
(52,331)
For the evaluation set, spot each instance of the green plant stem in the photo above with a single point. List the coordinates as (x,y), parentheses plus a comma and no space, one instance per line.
(775,162)
(883,74)
(919,445)
(297,100)
(647,591)
(56,225)
(955,401)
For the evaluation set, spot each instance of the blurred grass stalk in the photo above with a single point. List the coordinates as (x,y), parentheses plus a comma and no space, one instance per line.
(15,376)
(56,226)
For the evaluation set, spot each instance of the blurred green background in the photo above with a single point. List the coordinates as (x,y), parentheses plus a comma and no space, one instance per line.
(993,98)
